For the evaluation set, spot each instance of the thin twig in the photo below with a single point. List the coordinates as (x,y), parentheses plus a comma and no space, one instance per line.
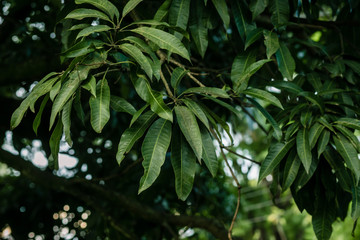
(252,118)
(236,182)
(242,156)
(171,95)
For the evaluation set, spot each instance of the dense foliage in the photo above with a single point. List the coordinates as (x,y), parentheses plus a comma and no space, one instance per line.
(166,80)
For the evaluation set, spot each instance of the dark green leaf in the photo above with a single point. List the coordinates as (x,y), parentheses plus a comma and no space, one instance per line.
(303,148)
(121,105)
(209,154)
(66,121)
(137,114)
(263,95)
(104,5)
(257,7)
(176,76)
(162,11)
(242,17)
(350,136)
(285,61)
(223,11)
(90,85)
(197,110)
(37,119)
(291,169)
(289,86)
(355,206)
(323,142)
(349,122)
(130,5)
(100,106)
(55,145)
(92,29)
(271,42)
(313,99)
(280,12)
(314,134)
(216,92)
(253,36)
(179,14)
(82,13)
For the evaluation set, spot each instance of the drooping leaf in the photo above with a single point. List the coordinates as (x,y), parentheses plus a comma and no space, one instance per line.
(162,11)
(224,104)
(132,134)
(104,5)
(37,119)
(348,153)
(82,13)
(285,61)
(279,12)
(190,128)
(55,145)
(288,86)
(216,92)
(100,106)
(291,169)
(263,95)
(179,14)
(139,57)
(291,130)
(82,48)
(257,7)
(355,206)
(303,148)
(242,17)
(253,36)
(183,161)
(276,153)
(78,107)
(66,121)
(223,11)
(274,124)
(323,142)
(164,40)
(271,42)
(349,122)
(197,110)
(79,26)
(90,85)
(153,150)
(240,64)
(208,153)
(350,136)
(313,99)
(130,5)
(176,77)
(324,122)
(55,90)
(121,105)
(200,35)
(138,114)
(92,29)
(314,134)
(322,219)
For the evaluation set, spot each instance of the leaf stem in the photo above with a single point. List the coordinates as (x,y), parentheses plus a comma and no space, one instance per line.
(171,95)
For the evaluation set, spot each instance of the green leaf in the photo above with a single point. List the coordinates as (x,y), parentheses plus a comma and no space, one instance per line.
(190,128)
(82,48)
(139,57)
(349,122)
(285,61)
(121,105)
(350,136)
(324,122)
(224,104)
(314,134)
(355,206)
(274,124)
(179,14)
(289,86)
(130,5)
(55,145)
(55,90)
(223,11)
(162,11)
(276,153)
(322,220)
(291,130)
(253,36)
(303,177)
(199,34)
(291,170)
(153,150)
(240,64)
(104,5)
(82,13)
(132,134)
(100,106)
(137,114)
(323,142)
(79,26)
(280,12)
(208,152)
(183,161)
(242,83)
(92,29)
(271,42)
(263,95)
(66,121)
(313,99)
(42,88)
(176,77)
(348,153)
(198,111)
(216,92)
(257,7)
(90,85)
(303,148)
(242,17)
(164,40)
(37,119)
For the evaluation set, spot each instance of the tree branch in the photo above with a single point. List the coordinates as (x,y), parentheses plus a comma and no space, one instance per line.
(91,193)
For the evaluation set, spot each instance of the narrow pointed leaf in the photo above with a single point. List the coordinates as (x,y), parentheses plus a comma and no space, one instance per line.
(303,148)
(153,150)
(348,153)
(271,42)
(200,35)
(138,114)
(253,36)
(158,106)
(314,134)
(263,95)
(198,111)
(349,122)
(162,11)
(355,206)
(209,154)
(240,64)
(190,128)
(291,170)
(100,106)
(323,219)
(37,119)
(257,7)
(323,142)
(121,105)
(280,12)
(132,134)
(139,57)
(303,177)
(183,161)
(223,11)
(164,40)
(216,92)
(288,86)
(92,29)
(55,90)
(130,5)
(242,17)
(104,5)
(179,13)
(276,153)
(350,136)
(82,13)
(90,85)
(176,76)
(285,61)
(313,99)
(66,121)
(55,145)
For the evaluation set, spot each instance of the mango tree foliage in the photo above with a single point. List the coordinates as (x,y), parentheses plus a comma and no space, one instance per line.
(291,67)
